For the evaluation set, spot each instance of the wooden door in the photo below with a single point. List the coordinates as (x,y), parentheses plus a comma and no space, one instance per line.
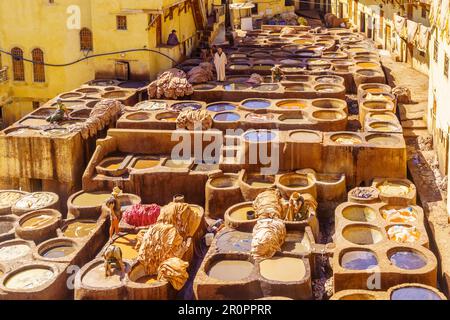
(122,70)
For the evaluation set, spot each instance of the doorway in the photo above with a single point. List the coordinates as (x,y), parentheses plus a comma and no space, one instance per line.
(122,70)
(362,17)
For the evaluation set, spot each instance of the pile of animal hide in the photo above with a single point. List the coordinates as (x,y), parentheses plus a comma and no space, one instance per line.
(161,242)
(171,84)
(200,74)
(403,94)
(331,21)
(287,31)
(104,113)
(165,243)
(174,271)
(268,237)
(181,215)
(194,119)
(140,215)
(269,204)
(255,79)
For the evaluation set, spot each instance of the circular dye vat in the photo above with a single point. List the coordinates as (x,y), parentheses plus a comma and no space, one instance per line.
(14,251)
(91,199)
(239,67)
(186,105)
(383,116)
(297,87)
(359,260)
(8,198)
(380,139)
(397,214)
(383,126)
(393,188)
(368,65)
(231,270)
(305,136)
(236,86)
(227,117)
(234,241)
(223,182)
(292,104)
(240,214)
(35,201)
(359,213)
(220,107)
(79,229)
(294,180)
(167,116)
(255,117)
(59,251)
(204,86)
(369,72)
(127,243)
(177,164)
(262,67)
(266,87)
(95,277)
(327,115)
(358,296)
(6,226)
(329,80)
(259,136)
(403,234)
(112,163)
(346,138)
(362,235)
(327,88)
(414,293)
(29,278)
(70,95)
(285,269)
(138,116)
(408,260)
(38,221)
(256,104)
(329,103)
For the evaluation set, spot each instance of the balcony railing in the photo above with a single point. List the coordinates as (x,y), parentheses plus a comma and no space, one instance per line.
(3,74)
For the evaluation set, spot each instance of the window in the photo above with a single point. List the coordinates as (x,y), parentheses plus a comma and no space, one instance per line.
(422,54)
(36,105)
(86,40)
(446,66)
(38,65)
(255,9)
(121,22)
(17,64)
(424,12)
(436,51)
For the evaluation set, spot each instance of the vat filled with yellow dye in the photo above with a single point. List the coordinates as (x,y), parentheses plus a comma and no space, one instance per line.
(292,104)
(39,225)
(346,138)
(113,166)
(127,244)
(362,234)
(79,228)
(144,163)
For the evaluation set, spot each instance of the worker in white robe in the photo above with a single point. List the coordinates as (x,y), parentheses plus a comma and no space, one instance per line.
(220,61)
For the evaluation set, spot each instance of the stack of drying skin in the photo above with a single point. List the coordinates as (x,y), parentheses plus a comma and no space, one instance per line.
(255,79)
(194,119)
(271,209)
(202,73)
(165,243)
(104,113)
(171,84)
(287,31)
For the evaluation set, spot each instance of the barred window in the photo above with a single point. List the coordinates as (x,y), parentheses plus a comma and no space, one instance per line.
(18,65)
(86,42)
(38,65)
(121,22)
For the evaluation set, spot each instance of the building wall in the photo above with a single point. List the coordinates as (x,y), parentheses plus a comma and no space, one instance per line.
(31,24)
(373,9)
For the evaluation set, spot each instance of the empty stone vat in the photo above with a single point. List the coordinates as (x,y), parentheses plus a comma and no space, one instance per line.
(220,193)
(296,182)
(39,225)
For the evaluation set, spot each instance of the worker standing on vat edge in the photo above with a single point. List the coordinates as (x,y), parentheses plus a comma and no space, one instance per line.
(115,211)
(220,61)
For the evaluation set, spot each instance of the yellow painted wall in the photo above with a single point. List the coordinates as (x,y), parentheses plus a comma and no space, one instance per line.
(30,24)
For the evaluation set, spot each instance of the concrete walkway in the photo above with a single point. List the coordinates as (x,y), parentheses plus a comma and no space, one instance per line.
(420,167)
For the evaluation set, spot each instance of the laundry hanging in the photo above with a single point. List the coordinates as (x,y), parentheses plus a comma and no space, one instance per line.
(412,28)
(400,24)
(434,12)
(423,36)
